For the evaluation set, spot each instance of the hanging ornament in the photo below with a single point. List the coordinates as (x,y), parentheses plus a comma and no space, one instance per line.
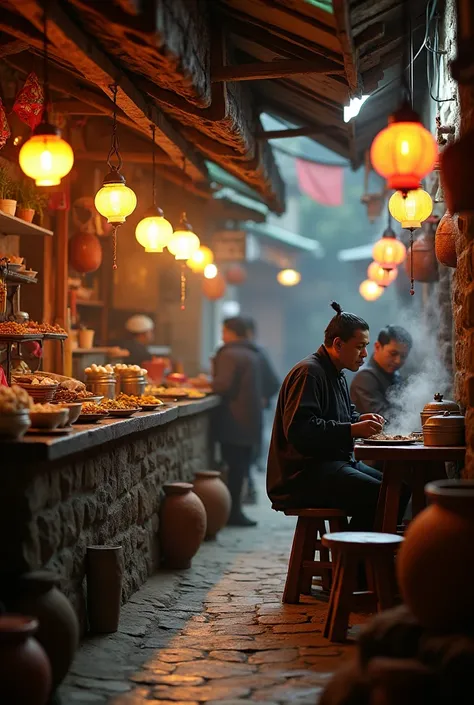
(379,275)
(236,275)
(412,208)
(200,259)
(370,290)
(214,288)
(153,231)
(45,157)
(389,252)
(445,240)
(5,131)
(288,277)
(115,200)
(30,102)
(85,252)
(421,264)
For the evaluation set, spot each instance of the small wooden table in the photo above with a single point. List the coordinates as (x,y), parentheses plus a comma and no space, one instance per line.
(414,464)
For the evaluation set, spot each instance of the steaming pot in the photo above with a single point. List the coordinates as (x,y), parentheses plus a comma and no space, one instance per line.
(446,429)
(438,406)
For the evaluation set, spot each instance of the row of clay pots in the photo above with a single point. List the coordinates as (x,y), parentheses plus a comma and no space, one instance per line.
(10,207)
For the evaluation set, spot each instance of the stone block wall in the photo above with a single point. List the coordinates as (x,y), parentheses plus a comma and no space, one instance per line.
(109,495)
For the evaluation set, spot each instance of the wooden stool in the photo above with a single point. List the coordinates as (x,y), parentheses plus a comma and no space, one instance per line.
(349,550)
(306,541)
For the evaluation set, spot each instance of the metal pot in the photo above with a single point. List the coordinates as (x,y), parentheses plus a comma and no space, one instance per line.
(102,385)
(446,429)
(133,385)
(438,406)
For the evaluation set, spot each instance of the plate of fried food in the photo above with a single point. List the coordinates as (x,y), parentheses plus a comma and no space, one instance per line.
(147,402)
(175,393)
(123,407)
(91,413)
(386,439)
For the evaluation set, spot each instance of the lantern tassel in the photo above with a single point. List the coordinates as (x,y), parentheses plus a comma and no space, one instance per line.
(114,236)
(412,275)
(183,285)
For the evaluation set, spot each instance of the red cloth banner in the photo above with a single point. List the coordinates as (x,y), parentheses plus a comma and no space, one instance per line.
(321,182)
(29,103)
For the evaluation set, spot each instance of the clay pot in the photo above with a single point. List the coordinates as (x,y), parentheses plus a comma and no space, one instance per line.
(104,570)
(85,252)
(435,562)
(456,174)
(36,594)
(8,206)
(445,240)
(183,524)
(215,496)
(214,288)
(425,268)
(25,672)
(26,214)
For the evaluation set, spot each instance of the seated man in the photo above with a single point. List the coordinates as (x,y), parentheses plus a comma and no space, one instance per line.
(372,388)
(311,461)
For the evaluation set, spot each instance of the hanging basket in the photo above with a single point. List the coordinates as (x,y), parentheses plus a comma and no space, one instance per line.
(425,267)
(445,240)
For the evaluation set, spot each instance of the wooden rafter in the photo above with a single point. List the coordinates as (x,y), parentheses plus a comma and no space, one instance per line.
(14,47)
(98,68)
(290,132)
(272,69)
(344,33)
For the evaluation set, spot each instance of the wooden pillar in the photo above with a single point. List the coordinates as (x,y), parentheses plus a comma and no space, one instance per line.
(60,274)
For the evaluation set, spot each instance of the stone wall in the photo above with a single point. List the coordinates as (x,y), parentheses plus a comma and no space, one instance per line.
(108,495)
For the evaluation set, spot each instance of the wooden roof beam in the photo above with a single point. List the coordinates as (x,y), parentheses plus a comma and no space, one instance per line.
(13,47)
(98,68)
(344,32)
(263,70)
(311,131)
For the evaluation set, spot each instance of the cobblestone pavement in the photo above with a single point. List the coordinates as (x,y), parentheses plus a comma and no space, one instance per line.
(216,633)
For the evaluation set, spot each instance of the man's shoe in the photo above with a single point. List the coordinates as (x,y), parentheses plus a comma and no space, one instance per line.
(240,520)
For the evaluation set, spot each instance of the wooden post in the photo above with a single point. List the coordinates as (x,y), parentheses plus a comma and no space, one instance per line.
(60,273)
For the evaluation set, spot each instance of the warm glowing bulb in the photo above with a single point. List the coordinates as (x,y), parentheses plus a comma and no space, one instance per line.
(210,271)
(46,158)
(288,277)
(381,276)
(200,259)
(412,208)
(183,244)
(370,291)
(115,201)
(154,232)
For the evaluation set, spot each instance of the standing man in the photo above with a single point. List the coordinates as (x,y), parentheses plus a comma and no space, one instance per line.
(372,388)
(311,461)
(140,330)
(237,422)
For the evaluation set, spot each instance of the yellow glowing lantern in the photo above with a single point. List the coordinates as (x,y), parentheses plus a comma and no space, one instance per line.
(115,200)
(379,275)
(411,209)
(153,231)
(210,271)
(46,157)
(288,277)
(184,242)
(370,291)
(389,252)
(404,152)
(200,259)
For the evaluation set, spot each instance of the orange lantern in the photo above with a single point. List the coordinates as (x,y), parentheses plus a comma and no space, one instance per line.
(405,151)
(389,252)
(370,291)
(214,288)
(379,275)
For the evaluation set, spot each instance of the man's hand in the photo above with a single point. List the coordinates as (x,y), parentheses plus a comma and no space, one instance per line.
(365,429)
(372,417)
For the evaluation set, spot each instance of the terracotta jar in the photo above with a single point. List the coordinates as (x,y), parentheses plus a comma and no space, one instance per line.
(25,672)
(215,496)
(445,240)
(425,267)
(456,174)
(36,594)
(183,524)
(435,561)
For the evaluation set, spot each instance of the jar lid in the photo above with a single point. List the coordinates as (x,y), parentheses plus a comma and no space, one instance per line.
(439,404)
(446,420)
(177,488)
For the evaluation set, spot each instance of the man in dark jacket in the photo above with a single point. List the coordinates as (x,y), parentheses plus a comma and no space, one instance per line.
(372,389)
(311,461)
(237,422)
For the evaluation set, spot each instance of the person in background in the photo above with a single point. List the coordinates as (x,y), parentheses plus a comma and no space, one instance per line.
(140,330)
(372,388)
(237,422)
(270,387)
(311,459)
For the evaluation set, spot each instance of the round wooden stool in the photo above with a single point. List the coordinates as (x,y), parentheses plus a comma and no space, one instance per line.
(350,549)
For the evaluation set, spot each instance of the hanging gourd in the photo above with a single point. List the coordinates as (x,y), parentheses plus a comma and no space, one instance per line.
(425,267)
(445,240)
(85,252)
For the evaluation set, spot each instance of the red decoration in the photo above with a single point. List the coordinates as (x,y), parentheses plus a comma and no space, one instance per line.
(236,274)
(214,288)
(5,131)
(445,240)
(85,252)
(3,378)
(29,103)
(59,201)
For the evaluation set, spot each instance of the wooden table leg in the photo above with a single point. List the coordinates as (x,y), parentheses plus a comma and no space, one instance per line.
(393,479)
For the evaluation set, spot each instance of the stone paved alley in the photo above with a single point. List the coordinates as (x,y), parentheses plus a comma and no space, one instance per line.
(216,633)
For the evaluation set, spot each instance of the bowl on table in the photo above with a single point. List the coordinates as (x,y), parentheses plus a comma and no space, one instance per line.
(74,409)
(49,419)
(40,393)
(14,425)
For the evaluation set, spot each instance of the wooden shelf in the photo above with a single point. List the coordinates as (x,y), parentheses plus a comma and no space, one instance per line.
(91,303)
(19,278)
(10,225)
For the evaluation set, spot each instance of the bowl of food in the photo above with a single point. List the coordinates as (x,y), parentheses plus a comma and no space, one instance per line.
(48,416)
(74,409)
(40,389)
(14,412)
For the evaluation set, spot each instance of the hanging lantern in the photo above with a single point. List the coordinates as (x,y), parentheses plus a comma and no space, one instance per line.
(370,291)
(184,242)
(411,209)
(154,232)
(200,259)
(46,157)
(85,252)
(115,200)
(288,277)
(421,264)
(445,240)
(379,275)
(405,151)
(236,275)
(214,288)
(210,271)
(389,252)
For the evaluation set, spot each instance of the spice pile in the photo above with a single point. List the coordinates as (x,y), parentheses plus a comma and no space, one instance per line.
(70,396)
(92,408)
(45,328)
(120,404)
(30,328)
(146,400)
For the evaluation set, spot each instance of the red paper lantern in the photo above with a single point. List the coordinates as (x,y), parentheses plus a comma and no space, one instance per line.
(236,274)
(214,288)
(85,252)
